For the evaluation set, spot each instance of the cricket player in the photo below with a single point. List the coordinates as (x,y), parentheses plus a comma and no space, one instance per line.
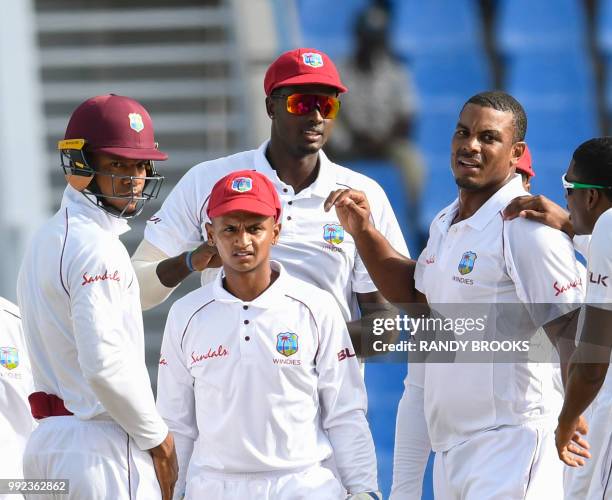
(588,192)
(302,88)
(98,424)
(258,379)
(490,424)
(16,385)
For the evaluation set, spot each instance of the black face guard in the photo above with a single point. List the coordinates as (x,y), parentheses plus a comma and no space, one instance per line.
(74,163)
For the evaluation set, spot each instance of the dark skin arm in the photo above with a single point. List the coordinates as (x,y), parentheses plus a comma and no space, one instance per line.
(372,305)
(166,466)
(540,209)
(171,272)
(587,372)
(392,273)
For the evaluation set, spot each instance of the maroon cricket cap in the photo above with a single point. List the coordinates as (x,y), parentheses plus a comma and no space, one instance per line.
(524,163)
(302,67)
(244,190)
(115,125)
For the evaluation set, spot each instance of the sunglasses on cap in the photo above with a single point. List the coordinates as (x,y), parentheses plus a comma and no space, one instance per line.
(569,186)
(303,104)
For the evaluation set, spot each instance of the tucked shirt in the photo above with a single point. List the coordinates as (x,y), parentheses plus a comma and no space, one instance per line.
(487,260)
(313,245)
(80,304)
(267,385)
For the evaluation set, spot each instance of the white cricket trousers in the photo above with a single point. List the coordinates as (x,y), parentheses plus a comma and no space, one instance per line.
(96,456)
(312,483)
(508,463)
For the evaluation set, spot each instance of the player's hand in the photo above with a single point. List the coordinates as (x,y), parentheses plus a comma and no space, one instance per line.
(572,448)
(540,209)
(166,466)
(205,256)
(352,208)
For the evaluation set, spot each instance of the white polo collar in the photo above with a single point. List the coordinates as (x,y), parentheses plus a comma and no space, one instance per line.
(491,207)
(76,200)
(269,298)
(324,184)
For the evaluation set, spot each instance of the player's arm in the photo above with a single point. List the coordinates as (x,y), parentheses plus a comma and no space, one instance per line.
(158,274)
(114,368)
(391,272)
(176,399)
(161,260)
(412,443)
(587,372)
(343,402)
(372,305)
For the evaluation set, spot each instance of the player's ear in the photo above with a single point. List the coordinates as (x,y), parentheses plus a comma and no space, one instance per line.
(270,106)
(276,231)
(209,233)
(518,148)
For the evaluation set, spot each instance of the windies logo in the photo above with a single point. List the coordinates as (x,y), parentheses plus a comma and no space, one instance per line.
(312,59)
(466,264)
(242,184)
(333,233)
(9,357)
(287,343)
(136,122)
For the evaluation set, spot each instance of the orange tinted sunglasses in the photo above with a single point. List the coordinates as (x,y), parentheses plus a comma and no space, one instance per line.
(303,104)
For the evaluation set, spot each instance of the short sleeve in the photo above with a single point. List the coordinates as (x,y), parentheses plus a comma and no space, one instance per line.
(542,263)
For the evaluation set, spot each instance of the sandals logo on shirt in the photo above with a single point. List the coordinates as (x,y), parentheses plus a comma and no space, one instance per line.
(333,233)
(466,264)
(9,357)
(287,343)
(242,184)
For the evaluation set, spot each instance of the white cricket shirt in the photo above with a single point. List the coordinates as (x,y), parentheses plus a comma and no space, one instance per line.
(80,304)
(267,385)
(16,422)
(485,259)
(313,246)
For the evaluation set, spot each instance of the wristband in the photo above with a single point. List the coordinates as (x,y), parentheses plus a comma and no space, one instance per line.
(188,262)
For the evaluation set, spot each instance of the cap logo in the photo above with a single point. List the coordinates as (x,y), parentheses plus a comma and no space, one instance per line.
(242,184)
(312,59)
(136,122)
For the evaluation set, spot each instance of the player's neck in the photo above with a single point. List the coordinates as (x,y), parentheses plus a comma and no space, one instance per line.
(247,286)
(299,172)
(470,201)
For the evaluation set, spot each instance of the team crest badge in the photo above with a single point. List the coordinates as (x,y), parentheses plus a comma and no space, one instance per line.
(333,233)
(9,357)
(287,343)
(242,184)
(466,264)
(136,122)
(312,59)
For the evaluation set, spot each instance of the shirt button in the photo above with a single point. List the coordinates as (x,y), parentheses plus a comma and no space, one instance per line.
(247,338)
(246,321)
(245,307)
(285,190)
(289,203)
(288,217)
